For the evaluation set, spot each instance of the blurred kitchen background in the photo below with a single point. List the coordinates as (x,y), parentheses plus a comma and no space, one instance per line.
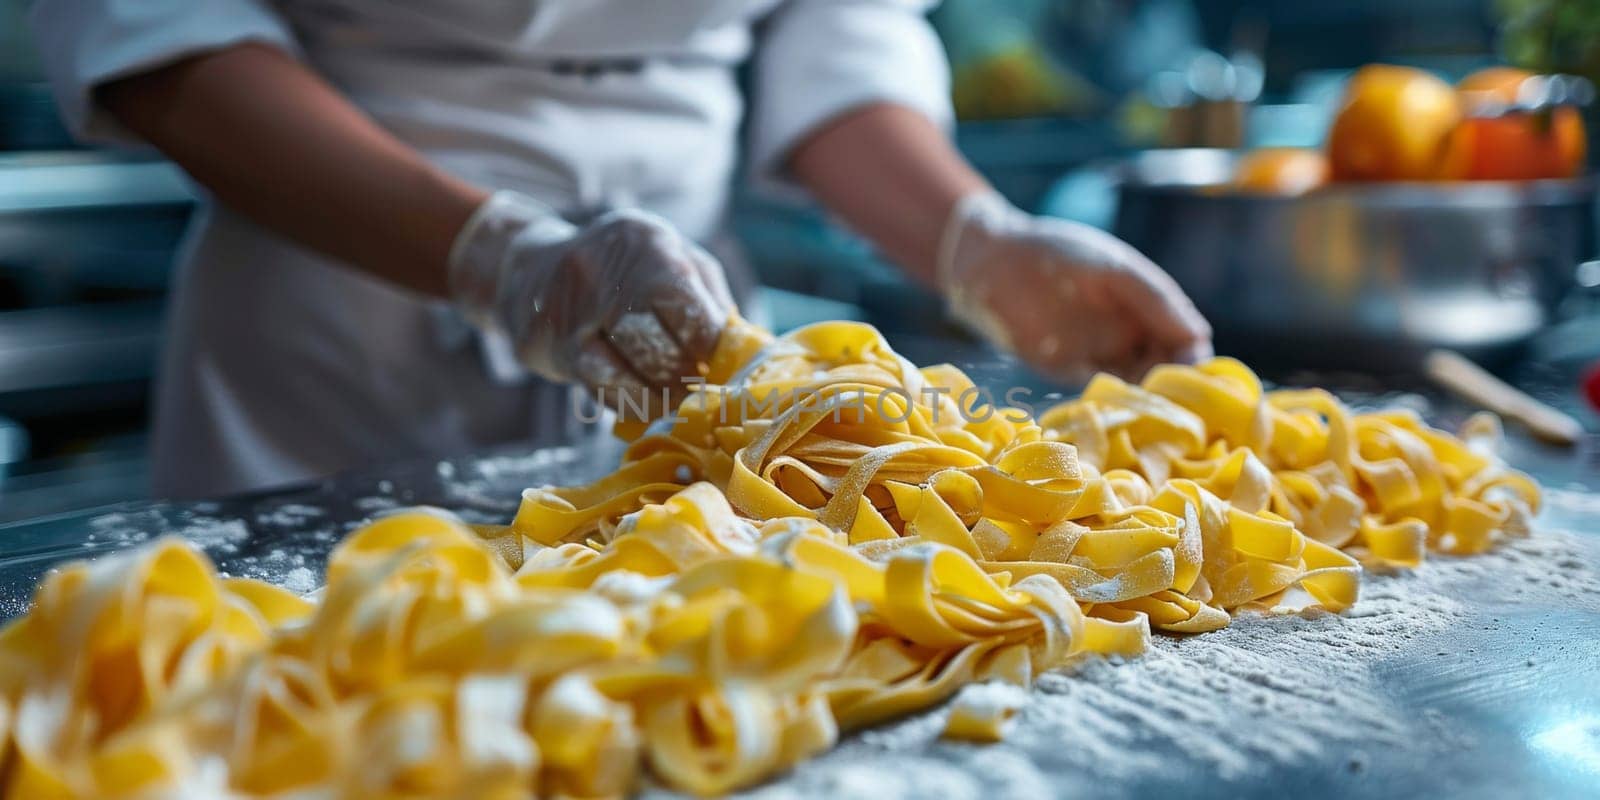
(1049,92)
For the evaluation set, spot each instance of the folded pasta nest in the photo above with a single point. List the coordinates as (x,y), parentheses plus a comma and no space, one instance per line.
(823,538)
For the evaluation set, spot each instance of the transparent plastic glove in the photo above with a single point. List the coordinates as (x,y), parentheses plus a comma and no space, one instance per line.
(1066,298)
(624,303)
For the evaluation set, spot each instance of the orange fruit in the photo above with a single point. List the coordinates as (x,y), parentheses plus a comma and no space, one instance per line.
(1281,170)
(1395,125)
(1515,146)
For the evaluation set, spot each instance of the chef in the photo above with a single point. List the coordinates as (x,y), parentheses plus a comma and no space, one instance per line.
(425,216)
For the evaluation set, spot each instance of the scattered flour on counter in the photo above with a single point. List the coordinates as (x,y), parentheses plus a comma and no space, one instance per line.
(215,536)
(290,515)
(278,566)
(482,483)
(375,503)
(495,467)
(300,580)
(218,537)
(123,528)
(1266,691)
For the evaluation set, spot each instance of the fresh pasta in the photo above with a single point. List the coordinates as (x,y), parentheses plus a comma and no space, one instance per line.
(824,537)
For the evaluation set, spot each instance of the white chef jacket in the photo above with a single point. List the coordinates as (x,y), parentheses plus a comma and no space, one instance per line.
(282,365)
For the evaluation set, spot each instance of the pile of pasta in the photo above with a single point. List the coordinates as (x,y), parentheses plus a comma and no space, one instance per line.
(823,538)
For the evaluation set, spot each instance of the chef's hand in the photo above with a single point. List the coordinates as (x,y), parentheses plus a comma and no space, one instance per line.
(625,303)
(1067,298)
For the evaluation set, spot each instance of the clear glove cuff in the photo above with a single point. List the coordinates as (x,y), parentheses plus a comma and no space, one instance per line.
(975,218)
(478,255)
(985,210)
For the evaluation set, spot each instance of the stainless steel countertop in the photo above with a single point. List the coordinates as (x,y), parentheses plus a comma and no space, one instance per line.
(1508,668)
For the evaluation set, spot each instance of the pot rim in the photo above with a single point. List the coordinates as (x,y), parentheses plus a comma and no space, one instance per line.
(1131,176)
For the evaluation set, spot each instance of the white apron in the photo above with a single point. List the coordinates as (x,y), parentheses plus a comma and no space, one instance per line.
(282,365)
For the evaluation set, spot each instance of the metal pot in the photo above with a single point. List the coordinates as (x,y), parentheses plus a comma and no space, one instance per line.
(1359,276)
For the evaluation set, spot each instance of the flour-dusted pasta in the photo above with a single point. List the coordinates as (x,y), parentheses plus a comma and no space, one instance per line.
(1383,485)
(1162,514)
(825,537)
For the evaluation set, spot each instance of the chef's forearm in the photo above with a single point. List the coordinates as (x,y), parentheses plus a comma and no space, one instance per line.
(892,175)
(273,141)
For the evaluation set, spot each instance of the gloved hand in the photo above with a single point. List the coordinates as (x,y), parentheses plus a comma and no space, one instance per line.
(1067,298)
(625,303)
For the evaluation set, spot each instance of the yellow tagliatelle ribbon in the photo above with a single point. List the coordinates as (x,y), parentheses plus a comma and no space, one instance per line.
(826,537)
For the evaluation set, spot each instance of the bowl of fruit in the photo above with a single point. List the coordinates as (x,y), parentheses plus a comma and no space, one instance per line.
(1433,216)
